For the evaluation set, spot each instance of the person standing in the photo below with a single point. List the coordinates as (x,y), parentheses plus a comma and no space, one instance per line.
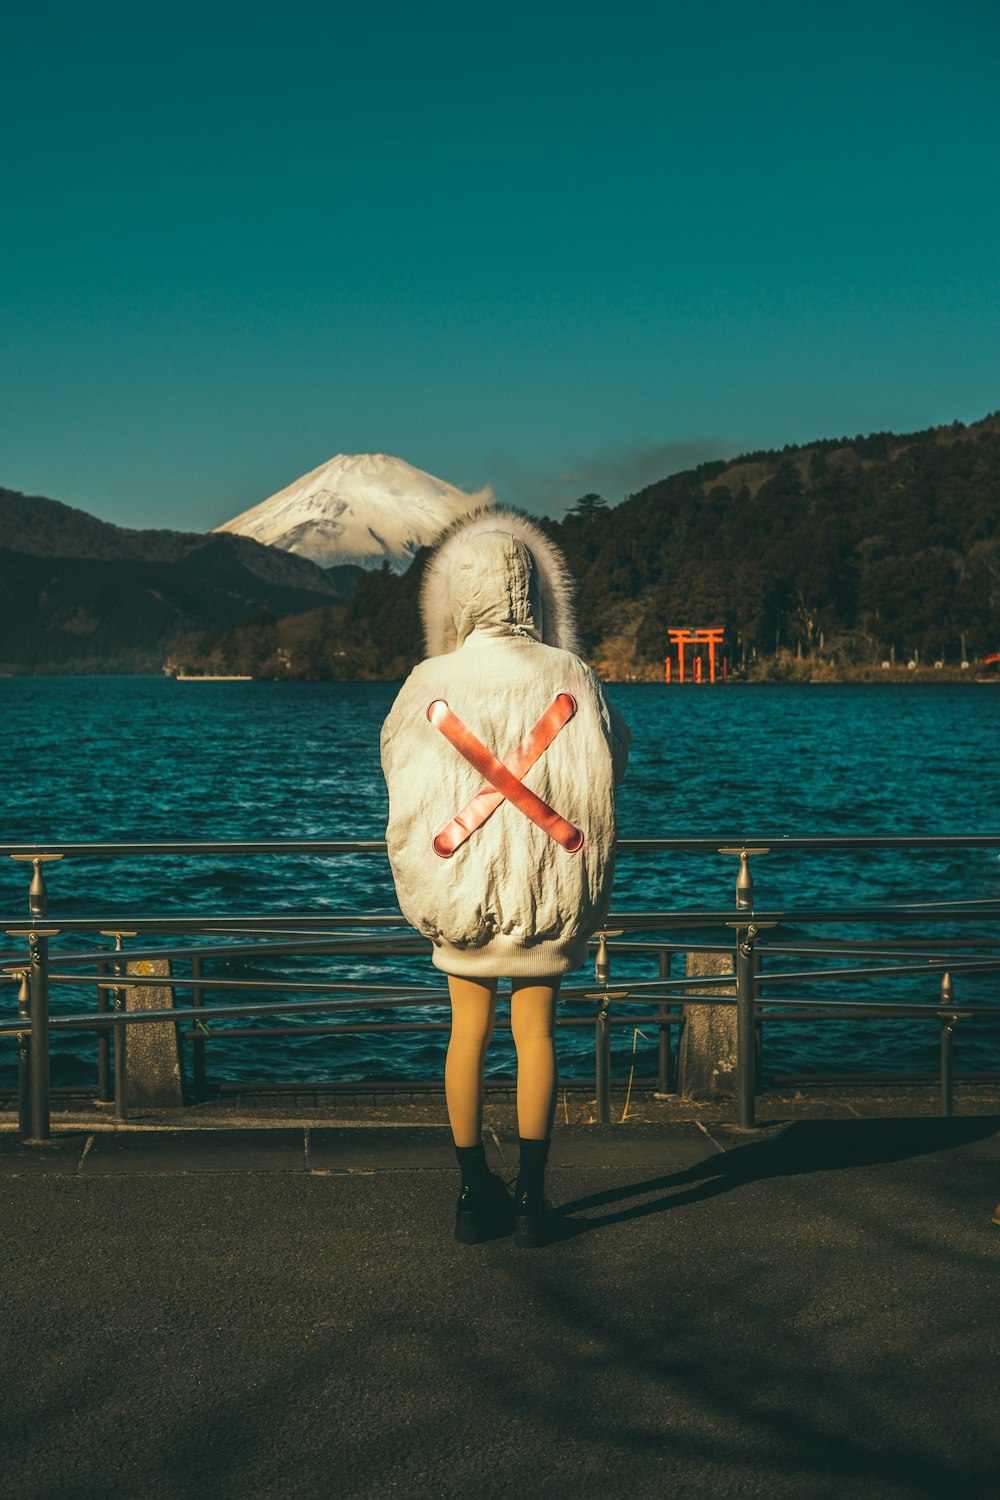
(501,756)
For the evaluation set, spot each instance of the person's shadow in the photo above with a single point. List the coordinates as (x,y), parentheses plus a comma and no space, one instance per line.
(803,1147)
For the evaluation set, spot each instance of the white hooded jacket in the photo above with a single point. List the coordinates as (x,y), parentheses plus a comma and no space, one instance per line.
(510,899)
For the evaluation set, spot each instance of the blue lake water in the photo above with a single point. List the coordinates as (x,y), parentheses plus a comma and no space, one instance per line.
(149,759)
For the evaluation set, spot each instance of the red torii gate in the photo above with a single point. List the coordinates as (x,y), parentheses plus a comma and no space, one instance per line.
(681,636)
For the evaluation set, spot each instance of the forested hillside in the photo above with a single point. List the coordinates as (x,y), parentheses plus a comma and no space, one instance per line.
(376,636)
(856,549)
(80,595)
(842,554)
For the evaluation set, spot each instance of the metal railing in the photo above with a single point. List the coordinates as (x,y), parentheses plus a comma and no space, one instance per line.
(760,997)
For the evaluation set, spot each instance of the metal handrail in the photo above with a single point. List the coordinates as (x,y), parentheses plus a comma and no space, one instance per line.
(714,844)
(647,986)
(385,933)
(627,921)
(175,1015)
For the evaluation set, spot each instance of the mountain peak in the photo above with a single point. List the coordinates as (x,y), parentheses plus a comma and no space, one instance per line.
(359,508)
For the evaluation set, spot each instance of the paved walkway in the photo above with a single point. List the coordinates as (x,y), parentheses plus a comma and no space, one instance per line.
(282,1312)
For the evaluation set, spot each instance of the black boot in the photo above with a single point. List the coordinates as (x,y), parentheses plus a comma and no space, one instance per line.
(531,1220)
(483,1211)
(531,1213)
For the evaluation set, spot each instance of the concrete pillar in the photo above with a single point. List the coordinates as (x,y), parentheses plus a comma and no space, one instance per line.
(154,1064)
(706,1059)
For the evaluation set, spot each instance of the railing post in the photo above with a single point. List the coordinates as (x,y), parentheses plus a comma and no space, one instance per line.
(756,963)
(602,1027)
(947,1049)
(663,1040)
(33,1081)
(602,1037)
(197,1040)
(746,988)
(745,1071)
(103,1039)
(120,1028)
(38,1105)
(602,1047)
(24,1054)
(39,1115)
(121,1041)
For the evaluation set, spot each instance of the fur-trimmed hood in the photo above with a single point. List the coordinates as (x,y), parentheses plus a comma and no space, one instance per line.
(497,572)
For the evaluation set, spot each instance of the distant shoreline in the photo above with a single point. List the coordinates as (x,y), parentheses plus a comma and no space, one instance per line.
(802,677)
(899,677)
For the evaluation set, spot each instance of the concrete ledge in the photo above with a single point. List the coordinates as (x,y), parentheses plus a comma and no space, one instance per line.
(59,1157)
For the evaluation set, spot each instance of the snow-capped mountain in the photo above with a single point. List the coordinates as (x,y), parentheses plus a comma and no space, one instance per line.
(359,508)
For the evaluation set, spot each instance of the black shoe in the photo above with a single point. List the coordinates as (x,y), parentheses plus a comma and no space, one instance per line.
(483,1212)
(532,1221)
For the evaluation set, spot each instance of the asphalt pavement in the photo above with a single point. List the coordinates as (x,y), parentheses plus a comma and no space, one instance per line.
(810,1311)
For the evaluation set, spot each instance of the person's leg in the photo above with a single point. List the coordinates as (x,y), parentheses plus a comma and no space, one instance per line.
(483,1206)
(473,1006)
(532,1017)
(532,1020)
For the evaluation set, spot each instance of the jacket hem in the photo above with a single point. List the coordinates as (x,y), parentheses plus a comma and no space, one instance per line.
(508,958)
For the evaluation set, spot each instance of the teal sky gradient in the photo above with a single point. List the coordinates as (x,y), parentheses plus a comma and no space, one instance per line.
(550,248)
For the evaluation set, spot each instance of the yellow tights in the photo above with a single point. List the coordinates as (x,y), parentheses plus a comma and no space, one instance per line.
(532,1019)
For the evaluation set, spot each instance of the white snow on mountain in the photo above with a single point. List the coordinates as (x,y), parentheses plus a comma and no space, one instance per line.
(359,508)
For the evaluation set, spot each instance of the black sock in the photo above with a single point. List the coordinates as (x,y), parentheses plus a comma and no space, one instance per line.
(472,1164)
(531,1169)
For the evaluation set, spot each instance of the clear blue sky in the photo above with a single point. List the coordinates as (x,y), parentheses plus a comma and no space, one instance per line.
(548,247)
